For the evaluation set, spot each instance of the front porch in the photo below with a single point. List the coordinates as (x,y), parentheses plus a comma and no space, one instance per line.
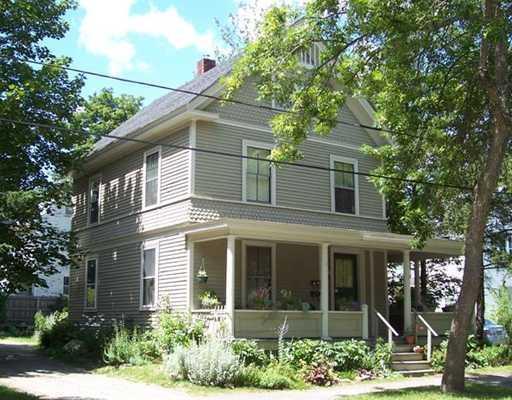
(325,282)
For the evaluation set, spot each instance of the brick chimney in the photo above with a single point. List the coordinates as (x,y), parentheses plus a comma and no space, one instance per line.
(204,65)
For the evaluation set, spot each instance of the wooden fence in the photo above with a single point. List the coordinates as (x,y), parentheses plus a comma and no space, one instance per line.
(20,309)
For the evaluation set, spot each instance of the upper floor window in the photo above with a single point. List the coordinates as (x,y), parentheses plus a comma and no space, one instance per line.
(151,177)
(148,286)
(344,185)
(310,57)
(94,200)
(259,174)
(91,282)
(65,286)
(508,246)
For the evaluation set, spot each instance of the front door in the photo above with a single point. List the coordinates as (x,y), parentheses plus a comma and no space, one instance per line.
(346,282)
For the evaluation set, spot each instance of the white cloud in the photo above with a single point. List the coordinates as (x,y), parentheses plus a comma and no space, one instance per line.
(108,25)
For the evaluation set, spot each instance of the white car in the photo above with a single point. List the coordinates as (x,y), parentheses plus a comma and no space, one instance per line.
(494,333)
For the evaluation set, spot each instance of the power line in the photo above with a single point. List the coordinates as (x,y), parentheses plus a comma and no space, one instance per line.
(211,97)
(232,155)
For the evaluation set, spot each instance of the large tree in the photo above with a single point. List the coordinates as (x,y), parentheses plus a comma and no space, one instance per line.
(438,74)
(34,162)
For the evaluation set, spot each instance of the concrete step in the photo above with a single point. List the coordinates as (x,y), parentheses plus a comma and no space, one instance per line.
(408,356)
(401,366)
(419,372)
(402,348)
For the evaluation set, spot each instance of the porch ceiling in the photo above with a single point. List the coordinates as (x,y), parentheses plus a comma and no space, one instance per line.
(263,230)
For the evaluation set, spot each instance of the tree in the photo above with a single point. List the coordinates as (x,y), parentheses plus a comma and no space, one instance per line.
(34,162)
(438,74)
(103,111)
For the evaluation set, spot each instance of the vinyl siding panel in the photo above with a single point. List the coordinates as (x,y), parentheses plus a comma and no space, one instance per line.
(175,168)
(173,271)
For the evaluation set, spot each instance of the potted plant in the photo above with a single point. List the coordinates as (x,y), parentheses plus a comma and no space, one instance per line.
(289,301)
(202,276)
(209,299)
(260,299)
(410,338)
(418,349)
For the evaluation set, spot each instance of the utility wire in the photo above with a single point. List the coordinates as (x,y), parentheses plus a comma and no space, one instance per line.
(232,155)
(212,97)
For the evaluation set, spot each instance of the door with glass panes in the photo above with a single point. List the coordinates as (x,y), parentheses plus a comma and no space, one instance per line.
(346,283)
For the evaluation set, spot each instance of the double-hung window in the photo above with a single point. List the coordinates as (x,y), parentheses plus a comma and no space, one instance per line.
(149,271)
(344,185)
(259,174)
(91,282)
(152,177)
(94,199)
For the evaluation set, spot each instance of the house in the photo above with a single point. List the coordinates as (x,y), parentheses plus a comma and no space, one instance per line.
(309,244)
(494,279)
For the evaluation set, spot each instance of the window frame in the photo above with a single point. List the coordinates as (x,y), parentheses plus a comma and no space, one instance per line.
(86,307)
(149,245)
(334,159)
(150,152)
(273,177)
(92,180)
(313,52)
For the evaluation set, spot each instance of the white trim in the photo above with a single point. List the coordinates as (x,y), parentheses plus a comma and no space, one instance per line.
(92,179)
(273,266)
(359,253)
(259,145)
(337,144)
(354,162)
(386,282)
(150,152)
(87,259)
(192,157)
(148,245)
(372,292)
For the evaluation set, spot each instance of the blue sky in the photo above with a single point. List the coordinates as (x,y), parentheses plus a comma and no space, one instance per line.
(157,41)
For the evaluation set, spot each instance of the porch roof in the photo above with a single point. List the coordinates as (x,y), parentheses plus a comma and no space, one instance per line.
(264,230)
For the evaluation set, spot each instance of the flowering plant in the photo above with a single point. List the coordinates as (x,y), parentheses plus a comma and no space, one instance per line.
(418,349)
(260,298)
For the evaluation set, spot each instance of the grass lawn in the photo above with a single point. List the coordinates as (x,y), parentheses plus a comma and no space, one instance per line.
(473,391)
(28,340)
(6,393)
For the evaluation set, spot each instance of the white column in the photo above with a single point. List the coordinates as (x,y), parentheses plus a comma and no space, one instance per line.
(324,288)
(364,310)
(373,330)
(190,284)
(243,286)
(230,283)
(407,292)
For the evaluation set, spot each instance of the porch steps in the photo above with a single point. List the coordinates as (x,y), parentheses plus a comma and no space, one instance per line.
(408,363)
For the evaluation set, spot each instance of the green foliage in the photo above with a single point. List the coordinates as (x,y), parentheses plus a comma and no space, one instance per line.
(53,330)
(178,329)
(320,373)
(209,299)
(274,376)
(503,311)
(249,352)
(133,347)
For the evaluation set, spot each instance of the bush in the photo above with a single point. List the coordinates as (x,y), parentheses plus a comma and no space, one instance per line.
(131,347)
(53,330)
(178,329)
(273,376)
(321,374)
(503,311)
(175,363)
(380,359)
(249,352)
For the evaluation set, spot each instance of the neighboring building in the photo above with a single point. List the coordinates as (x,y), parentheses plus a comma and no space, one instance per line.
(272,241)
(494,279)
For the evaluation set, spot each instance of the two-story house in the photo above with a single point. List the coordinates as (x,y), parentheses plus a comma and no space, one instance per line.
(309,244)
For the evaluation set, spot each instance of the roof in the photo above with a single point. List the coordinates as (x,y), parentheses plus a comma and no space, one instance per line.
(165,105)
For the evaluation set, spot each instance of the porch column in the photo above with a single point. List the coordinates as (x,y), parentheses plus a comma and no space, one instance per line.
(417,285)
(407,291)
(230,283)
(190,284)
(324,288)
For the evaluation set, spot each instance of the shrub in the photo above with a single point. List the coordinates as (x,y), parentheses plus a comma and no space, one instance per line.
(175,363)
(53,330)
(131,347)
(273,376)
(249,352)
(380,359)
(178,329)
(503,311)
(320,373)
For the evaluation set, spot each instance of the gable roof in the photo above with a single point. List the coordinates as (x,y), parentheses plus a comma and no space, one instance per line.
(165,105)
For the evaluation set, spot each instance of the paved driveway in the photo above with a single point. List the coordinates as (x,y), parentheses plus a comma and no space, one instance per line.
(24,368)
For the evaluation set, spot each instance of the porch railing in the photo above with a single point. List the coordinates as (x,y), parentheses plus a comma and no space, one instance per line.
(430,332)
(391,330)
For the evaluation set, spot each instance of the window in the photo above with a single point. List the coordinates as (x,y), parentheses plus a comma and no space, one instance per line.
(508,245)
(310,57)
(65,286)
(151,177)
(259,276)
(91,284)
(345,281)
(259,175)
(148,275)
(94,200)
(344,182)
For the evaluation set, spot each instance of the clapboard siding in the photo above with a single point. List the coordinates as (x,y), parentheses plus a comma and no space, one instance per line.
(309,189)
(173,271)
(122,181)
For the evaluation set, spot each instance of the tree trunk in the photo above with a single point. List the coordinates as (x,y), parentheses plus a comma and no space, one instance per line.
(492,54)
(480,309)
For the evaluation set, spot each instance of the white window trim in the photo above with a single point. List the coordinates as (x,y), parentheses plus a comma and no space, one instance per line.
(153,244)
(354,162)
(273,268)
(148,153)
(93,179)
(313,50)
(86,308)
(273,180)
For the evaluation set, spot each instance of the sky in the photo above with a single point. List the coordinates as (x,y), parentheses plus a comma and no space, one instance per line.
(158,41)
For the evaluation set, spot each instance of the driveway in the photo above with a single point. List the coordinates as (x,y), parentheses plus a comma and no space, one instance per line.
(25,369)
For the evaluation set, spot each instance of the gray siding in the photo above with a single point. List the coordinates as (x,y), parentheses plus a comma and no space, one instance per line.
(173,271)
